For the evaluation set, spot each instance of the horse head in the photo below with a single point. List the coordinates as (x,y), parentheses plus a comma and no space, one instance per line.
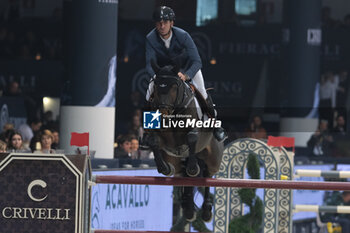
(169,89)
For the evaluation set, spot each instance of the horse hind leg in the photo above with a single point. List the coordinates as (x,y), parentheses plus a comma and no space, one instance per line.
(207,205)
(188,204)
(192,167)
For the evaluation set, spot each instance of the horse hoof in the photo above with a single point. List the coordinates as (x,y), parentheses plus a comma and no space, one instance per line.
(207,216)
(172,170)
(193,172)
(206,212)
(190,217)
(166,169)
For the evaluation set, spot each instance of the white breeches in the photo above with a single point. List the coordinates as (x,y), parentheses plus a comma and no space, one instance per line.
(197,81)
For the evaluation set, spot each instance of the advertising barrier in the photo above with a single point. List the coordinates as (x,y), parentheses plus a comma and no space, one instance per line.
(131,207)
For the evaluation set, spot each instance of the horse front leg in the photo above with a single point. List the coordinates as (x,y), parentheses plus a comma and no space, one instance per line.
(192,167)
(162,166)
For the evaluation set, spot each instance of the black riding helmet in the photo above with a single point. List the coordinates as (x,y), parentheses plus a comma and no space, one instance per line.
(163,13)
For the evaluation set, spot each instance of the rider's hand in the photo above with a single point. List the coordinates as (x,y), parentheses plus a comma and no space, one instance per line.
(182,76)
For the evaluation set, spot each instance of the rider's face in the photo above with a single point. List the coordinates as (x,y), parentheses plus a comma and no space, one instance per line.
(164,27)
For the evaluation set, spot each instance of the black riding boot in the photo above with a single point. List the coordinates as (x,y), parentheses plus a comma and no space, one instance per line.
(219,133)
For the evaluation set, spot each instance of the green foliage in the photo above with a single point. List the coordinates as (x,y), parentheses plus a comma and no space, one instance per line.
(253,167)
(251,222)
(247,196)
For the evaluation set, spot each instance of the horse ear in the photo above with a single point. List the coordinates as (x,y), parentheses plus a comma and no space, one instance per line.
(155,66)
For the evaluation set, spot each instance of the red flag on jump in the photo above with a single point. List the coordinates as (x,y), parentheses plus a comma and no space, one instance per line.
(281,141)
(79,139)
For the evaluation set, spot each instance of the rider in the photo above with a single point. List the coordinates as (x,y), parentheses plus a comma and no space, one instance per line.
(164,44)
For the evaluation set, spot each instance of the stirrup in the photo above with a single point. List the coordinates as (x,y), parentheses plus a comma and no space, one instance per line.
(220,134)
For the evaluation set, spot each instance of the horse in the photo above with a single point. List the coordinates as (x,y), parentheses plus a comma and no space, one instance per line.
(186,151)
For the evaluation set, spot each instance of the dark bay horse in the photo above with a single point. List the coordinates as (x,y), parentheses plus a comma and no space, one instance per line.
(183,150)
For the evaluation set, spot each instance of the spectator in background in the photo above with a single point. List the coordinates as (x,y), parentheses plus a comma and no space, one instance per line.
(320,143)
(7,135)
(134,147)
(135,127)
(338,131)
(123,151)
(3,147)
(256,130)
(338,199)
(8,126)
(342,86)
(136,153)
(15,143)
(4,134)
(48,121)
(328,90)
(56,139)
(341,145)
(46,139)
(29,129)
(13,89)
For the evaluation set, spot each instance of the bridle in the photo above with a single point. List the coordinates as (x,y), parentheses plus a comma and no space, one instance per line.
(181,102)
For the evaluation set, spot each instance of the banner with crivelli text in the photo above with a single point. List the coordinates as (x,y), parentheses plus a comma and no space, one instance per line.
(131,207)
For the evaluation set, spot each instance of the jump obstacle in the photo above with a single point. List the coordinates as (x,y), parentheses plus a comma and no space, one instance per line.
(278,203)
(76,169)
(118,231)
(229,183)
(322,209)
(324,174)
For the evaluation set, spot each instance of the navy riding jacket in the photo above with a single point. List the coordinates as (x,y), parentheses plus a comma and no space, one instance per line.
(182,49)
